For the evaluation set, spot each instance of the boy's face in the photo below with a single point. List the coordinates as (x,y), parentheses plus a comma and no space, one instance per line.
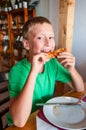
(41,38)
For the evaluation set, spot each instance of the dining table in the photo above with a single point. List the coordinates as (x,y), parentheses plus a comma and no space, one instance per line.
(31,123)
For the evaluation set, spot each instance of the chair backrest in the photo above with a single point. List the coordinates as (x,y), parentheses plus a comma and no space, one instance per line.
(4,101)
(4,76)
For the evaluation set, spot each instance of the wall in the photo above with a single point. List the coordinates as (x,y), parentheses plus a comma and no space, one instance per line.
(79,38)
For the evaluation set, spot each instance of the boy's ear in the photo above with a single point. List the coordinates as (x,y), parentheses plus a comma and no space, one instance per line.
(25,44)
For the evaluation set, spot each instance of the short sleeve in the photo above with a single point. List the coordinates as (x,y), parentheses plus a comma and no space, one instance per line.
(14,83)
(17,78)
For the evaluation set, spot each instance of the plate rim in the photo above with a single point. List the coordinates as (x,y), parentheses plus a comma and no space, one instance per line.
(74,98)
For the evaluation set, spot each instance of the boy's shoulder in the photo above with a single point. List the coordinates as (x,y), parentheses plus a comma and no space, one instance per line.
(20,64)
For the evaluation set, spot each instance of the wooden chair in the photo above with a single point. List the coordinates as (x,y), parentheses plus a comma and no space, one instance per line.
(4,101)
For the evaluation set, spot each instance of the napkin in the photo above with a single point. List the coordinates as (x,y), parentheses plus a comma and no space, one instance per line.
(42,125)
(43,118)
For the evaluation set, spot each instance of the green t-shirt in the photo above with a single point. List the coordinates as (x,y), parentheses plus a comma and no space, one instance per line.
(45,82)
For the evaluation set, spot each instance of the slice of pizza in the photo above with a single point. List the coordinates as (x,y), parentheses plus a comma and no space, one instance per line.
(56,52)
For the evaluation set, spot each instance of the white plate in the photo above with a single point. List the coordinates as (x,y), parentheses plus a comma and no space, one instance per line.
(67,117)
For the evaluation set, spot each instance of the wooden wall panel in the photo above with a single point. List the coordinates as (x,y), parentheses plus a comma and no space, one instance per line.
(66,23)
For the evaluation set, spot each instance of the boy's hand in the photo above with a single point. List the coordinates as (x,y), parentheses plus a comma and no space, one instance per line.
(67,60)
(38,62)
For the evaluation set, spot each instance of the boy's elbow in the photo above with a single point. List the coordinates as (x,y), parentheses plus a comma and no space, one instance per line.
(18,123)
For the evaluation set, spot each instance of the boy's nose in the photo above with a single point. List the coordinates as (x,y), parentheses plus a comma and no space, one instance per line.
(47,42)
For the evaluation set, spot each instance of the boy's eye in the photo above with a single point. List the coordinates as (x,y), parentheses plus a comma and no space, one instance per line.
(51,37)
(40,37)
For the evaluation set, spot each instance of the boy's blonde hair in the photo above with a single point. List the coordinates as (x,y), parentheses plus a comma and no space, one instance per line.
(30,23)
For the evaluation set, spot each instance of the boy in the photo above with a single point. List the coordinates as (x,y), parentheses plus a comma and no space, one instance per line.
(32,80)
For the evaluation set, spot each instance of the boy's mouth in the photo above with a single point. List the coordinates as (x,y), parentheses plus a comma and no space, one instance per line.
(46,50)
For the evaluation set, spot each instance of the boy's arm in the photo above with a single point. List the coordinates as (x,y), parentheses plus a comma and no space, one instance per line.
(68,61)
(20,107)
(77,81)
